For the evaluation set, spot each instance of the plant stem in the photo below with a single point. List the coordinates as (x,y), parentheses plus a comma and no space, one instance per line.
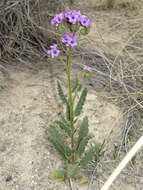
(68,67)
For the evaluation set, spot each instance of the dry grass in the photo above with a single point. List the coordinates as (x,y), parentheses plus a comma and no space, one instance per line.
(21,28)
(109,4)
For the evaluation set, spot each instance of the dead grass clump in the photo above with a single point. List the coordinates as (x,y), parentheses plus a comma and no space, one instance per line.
(21,31)
(129,4)
(109,4)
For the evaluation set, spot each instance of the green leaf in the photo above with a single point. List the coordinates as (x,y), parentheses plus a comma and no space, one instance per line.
(88,157)
(61,94)
(72,170)
(83,131)
(58,148)
(82,145)
(58,174)
(81,102)
(83,31)
(98,147)
(79,87)
(68,112)
(66,122)
(53,59)
(64,100)
(76,83)
(61,29)
(57,141)
(63,127)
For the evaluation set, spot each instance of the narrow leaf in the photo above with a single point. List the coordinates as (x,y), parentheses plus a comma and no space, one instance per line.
(88,157)
(82,145)
(68,111)
(81,102)
(72,170)
(56,146)
(66,122)
(57,140)
(76,83)
(61,93)
(83,132)
(79,87)
(98,147)
(63,127)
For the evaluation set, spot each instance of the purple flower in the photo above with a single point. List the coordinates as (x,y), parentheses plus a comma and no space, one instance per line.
(57,19)
(69,39)
(72,16)
(85,21)
(73,40)
(53,46)
(48,52)
(87,68)
(54,52)
(65,38)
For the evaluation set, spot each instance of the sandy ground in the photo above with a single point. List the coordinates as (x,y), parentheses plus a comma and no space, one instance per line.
(28,106)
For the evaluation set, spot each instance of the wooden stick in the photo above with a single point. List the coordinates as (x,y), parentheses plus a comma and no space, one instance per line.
(123,163)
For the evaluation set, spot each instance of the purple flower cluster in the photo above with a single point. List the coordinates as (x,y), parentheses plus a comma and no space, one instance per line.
(54,52)
(72,17)
(57,19)
(85,21)
(69,39)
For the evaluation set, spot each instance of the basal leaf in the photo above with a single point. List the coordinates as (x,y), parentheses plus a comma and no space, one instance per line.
(58,174)
(58,142)
(58,148)
(72,170)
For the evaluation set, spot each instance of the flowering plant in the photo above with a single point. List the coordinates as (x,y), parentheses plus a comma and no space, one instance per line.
(70,141)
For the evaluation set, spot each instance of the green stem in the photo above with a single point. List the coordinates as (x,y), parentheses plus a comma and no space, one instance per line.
(68,67)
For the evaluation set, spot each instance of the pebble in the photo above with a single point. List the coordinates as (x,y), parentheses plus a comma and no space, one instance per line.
(8,178)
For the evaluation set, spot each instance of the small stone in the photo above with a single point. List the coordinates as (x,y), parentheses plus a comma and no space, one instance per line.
(8,178)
